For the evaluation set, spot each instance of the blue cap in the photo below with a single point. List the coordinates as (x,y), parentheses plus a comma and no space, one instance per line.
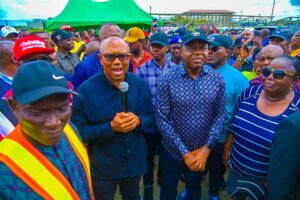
(59,35)
(194,35)
(159,38)
(180,32)
(176,39)
(239,41)
(281,35)
(220,41)
(256,33)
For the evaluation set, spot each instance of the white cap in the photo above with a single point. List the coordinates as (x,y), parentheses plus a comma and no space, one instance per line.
(6,30)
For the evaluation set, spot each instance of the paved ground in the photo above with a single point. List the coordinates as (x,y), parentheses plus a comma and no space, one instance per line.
(223,194)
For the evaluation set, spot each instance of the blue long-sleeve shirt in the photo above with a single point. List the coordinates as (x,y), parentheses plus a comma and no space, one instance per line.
(190,112)
(113,155)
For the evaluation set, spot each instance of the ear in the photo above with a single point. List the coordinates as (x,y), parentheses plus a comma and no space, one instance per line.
(228,53)
(14,107)
(100,57)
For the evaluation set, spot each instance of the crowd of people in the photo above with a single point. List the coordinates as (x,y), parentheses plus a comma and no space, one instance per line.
(83,113)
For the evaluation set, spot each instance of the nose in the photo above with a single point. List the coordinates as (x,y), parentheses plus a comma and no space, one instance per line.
(52,120)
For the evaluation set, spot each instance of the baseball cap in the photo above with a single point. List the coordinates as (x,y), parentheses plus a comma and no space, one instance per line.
(6,30)
(159,38)
(180,32)
(66,27)
(59,35)
(256,33)
(220,41)
(281,35)
(239,41)
(176,39)
(134,34)
(147,34)
(30,45)
(194,35)
(38,79)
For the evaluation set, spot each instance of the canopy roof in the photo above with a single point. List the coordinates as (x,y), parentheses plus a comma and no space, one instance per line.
(82,14)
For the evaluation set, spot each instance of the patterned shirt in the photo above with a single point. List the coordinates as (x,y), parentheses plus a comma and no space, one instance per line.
(150,72)
(62,156)
(190,112)
(253,134)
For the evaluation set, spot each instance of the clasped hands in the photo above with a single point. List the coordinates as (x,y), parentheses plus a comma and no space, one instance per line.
(125,122)
(196,160)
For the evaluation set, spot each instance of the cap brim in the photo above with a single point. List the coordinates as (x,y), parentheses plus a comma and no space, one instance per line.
(215,44)
(11,33)
(130,40)
(277,36)
(38,94)
(159,42)
(46,51)
(195,38)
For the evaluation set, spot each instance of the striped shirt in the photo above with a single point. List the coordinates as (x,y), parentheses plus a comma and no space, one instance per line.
(253,134)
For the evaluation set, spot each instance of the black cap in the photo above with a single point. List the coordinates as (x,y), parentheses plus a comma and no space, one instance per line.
(194,35)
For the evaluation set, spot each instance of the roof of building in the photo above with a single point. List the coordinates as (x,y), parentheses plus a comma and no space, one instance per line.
(209,11)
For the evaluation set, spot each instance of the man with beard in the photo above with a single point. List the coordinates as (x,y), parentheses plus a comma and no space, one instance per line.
(139,56)
(67,61)
(190,114)
(151,72)
(235,84)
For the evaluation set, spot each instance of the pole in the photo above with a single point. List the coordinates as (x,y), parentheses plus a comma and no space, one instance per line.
(272,10)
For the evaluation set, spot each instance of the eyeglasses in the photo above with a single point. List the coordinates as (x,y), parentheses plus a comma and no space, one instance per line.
(112,57)
(213,48)
(26,60)
(277,73)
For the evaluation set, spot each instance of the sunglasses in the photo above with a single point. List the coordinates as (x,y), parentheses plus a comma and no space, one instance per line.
(112,57)
(213,48)
(277,73)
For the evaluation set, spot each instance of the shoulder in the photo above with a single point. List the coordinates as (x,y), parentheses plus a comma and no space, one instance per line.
(251,92)
(91,83)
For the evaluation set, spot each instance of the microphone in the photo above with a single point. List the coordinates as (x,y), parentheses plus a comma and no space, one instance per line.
(124,88)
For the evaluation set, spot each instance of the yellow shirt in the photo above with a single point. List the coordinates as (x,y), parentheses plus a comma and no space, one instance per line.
(295,53)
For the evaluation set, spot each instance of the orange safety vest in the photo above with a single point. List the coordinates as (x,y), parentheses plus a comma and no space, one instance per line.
(35,170)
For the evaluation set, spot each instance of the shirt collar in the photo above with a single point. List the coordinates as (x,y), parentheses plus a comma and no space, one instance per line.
(203,72)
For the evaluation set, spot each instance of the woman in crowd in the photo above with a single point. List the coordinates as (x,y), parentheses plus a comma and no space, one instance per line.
(253,127)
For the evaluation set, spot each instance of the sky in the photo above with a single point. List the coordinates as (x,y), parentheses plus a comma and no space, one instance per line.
(43,9)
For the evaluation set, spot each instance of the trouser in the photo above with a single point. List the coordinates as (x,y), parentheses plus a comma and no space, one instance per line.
(215,167)
(106,189)
(171,172)
(152,142)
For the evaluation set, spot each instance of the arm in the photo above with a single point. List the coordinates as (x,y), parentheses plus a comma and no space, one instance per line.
(284,161)
(227,148)
(219,117)
(90,133)
(243,55)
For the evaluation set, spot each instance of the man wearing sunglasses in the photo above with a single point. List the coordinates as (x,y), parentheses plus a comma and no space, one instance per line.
(114,136)
(235,83)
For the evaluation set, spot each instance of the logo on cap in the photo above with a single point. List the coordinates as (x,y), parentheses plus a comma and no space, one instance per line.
(179,40)
(57,77)
(195,34)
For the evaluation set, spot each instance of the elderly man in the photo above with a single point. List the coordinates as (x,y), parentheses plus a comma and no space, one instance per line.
(135,38)
(44,151)
(190,114)
(67,61)
(114,131)
(91,65)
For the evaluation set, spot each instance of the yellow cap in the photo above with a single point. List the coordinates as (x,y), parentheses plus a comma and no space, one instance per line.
(134,34)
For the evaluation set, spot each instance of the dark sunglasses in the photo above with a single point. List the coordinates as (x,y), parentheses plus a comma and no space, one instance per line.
(213,48)
(277,73)
(112,57)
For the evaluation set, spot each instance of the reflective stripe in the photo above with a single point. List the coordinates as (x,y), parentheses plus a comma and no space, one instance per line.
(40,175)
(81,153)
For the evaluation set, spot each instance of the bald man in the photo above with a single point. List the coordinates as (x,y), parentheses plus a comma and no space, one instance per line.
(114,136)
(8,65)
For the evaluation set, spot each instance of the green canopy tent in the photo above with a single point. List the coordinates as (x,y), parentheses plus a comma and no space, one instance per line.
(83,14)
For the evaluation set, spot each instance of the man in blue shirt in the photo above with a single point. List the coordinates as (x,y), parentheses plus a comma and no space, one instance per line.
(151,72)
(190,112)
(115,138)
(235,84)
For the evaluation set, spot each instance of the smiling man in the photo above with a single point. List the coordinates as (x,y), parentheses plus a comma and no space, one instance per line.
(115,138)
(44,151)
(190,114)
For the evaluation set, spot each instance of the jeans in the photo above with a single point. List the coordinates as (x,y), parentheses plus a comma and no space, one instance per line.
(171,172)
(106,189)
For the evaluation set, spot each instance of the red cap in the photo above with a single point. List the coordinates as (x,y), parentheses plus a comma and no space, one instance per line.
(30,45)
(66,27)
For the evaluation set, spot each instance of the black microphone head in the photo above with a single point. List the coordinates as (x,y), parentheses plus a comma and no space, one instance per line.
(123,86)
